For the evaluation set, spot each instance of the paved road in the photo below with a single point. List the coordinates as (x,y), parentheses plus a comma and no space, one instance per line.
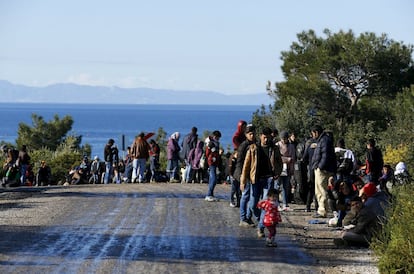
(146,228)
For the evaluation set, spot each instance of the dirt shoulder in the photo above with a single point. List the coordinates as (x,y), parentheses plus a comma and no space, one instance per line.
(317,239)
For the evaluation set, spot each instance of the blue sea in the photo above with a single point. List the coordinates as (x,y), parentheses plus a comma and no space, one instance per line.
(97,123)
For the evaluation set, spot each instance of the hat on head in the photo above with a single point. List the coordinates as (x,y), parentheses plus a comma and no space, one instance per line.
(96,157)
(369,189)
(400,168)
(284,135)
(250,128)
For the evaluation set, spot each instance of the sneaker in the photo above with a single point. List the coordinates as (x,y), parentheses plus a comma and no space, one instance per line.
(244,223)
(250,222)
(210,199)
(232,204)
(286,208)
(260,233)
(270,243)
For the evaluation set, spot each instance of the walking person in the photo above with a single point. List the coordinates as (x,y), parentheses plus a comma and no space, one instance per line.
(94,179)
(263,165)
(173,150)
(271,215)
(324,165)
(23,163)
(214,161)
(245,212)
(108,156)
(235,192)
(140,153)
(288,153)
(189,142)
(239,135)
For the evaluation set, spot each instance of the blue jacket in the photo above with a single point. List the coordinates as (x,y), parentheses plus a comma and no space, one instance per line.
(324,156)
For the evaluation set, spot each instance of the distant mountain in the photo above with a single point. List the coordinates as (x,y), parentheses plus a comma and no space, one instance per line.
(72,93)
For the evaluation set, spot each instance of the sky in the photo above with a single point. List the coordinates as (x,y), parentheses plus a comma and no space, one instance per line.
(228,46)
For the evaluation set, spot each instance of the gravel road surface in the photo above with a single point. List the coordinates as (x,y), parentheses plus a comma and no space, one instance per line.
(146,228)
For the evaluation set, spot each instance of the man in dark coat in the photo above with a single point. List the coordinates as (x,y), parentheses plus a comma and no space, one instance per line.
(324,166)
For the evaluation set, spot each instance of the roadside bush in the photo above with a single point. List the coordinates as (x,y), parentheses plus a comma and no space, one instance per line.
(394,246)
(394,155)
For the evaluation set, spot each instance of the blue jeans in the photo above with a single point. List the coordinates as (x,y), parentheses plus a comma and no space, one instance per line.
(138,170)
(23,170)
(284,182)
(108,172)
(212,180)
(172,166)
(255,194)
(245,213)
(235,191)
(187,173)
(153,166)
(268,184)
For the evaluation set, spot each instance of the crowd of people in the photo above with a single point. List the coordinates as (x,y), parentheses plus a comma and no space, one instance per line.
(267,171)
(326,178)
(18,171)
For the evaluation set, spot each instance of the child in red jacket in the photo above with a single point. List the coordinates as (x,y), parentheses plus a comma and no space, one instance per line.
(272,216)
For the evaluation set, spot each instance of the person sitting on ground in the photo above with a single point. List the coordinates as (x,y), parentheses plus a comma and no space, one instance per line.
(362,227)
(387,178)
(374,199)
(401,174)
(343,203)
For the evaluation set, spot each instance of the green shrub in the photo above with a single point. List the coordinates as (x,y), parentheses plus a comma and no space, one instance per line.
(394,246)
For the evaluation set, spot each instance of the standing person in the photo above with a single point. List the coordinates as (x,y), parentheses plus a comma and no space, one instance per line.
(189,142)
(262,166)
(173,150)
(214,161)
(271,216)
(239,135)
(324,165)
(310,146)
(245,213)
(374,162)
(140,153)
(44,174)
(23,163)
(235,192)
(154,154)
(108,156)
(127,176)
(288,152)
(194,157)
(115,165)
(94,179)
